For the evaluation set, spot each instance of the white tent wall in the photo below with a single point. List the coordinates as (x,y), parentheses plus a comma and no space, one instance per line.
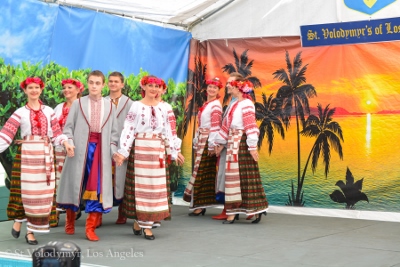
(256,18)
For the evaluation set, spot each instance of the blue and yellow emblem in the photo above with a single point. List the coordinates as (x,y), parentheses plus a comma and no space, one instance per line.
(368,6)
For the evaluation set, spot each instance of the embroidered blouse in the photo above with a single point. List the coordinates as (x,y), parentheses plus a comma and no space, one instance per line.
(143,119)
(171,130)
(61,111)
(240,115)
(210,117)
(42,122)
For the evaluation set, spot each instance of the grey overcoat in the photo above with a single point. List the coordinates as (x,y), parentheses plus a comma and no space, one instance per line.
(77,130)
(124,104)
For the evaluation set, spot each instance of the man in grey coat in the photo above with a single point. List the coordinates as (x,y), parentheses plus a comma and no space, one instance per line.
(122,104)
(92,129)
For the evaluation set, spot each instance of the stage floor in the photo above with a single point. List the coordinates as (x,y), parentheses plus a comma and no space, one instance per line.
(278,240)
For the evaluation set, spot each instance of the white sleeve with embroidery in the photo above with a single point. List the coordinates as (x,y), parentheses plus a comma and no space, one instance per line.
(9,130)
(57,137)
(216,118)
(170,129)
(128,132)
(249,123)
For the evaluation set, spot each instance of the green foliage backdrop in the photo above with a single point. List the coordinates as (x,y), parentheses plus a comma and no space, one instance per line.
(12,97)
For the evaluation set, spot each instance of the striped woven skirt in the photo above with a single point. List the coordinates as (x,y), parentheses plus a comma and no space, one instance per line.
(200,191)
(33,184)
(244,192)
(146,195)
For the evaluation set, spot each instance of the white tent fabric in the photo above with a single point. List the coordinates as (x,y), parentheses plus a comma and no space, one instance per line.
(180,13)
(256,18)
(215,19)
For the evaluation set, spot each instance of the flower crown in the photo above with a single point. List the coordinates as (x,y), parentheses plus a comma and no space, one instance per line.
(30,80)
(148,80)
(215,82)
(163,84)
(245,86)
(77,83)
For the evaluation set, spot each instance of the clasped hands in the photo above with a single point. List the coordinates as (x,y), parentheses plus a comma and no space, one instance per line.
(118,159)
(69,148)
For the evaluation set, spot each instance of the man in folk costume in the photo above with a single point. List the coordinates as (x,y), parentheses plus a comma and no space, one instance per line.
(92,128)
(122,104)
(33,176)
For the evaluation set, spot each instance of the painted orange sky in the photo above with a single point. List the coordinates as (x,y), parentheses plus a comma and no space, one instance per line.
(359,78)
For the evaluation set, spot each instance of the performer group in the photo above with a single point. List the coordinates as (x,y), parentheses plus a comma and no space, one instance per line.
(92,153)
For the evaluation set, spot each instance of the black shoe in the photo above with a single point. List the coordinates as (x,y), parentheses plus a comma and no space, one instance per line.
(78,215)
(30,242)
(15,233)
(258,219)
(202,212)
(231,221)
(136,232)
(148,237)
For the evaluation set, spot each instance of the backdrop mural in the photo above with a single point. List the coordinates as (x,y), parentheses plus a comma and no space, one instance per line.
(328,117)
(336,149)
(56,42)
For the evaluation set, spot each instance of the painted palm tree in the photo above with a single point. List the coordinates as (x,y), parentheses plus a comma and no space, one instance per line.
(328,134)
(268,113)
(294,95)
(195,94)
(350,191)
(242,66)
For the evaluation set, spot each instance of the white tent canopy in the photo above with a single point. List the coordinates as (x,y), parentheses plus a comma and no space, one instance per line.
(216,19)
(181,13)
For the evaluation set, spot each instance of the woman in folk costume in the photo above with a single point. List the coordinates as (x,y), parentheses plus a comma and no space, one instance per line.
(92,129)
(244,193)
(200,191)
(144,142)
(173,139)
(72,90)
(31,193)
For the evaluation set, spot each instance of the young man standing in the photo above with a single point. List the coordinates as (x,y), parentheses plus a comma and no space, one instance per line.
(122,104)
(92,129)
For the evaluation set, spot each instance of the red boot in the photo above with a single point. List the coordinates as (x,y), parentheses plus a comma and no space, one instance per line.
(100,220)
(121,218)
(70,222)
(91,222)
(222,216)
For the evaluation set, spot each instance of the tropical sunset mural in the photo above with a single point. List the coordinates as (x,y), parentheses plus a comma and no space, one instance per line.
(349,118)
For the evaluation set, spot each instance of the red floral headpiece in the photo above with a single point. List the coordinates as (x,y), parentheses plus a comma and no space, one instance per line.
(30,80)
(163,84)
(215,82)
(75,82)
(245,86)
(148,80)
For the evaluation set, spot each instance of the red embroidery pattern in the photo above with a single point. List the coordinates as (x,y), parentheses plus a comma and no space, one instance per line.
(55,127)
(95,109)
(38,121)
(153,119)
(130,117)
(10,128)
(249,120)
(216,117)
(172,122)
(63,118)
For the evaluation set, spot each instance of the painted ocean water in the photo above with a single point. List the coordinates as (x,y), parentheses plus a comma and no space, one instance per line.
(370,150)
